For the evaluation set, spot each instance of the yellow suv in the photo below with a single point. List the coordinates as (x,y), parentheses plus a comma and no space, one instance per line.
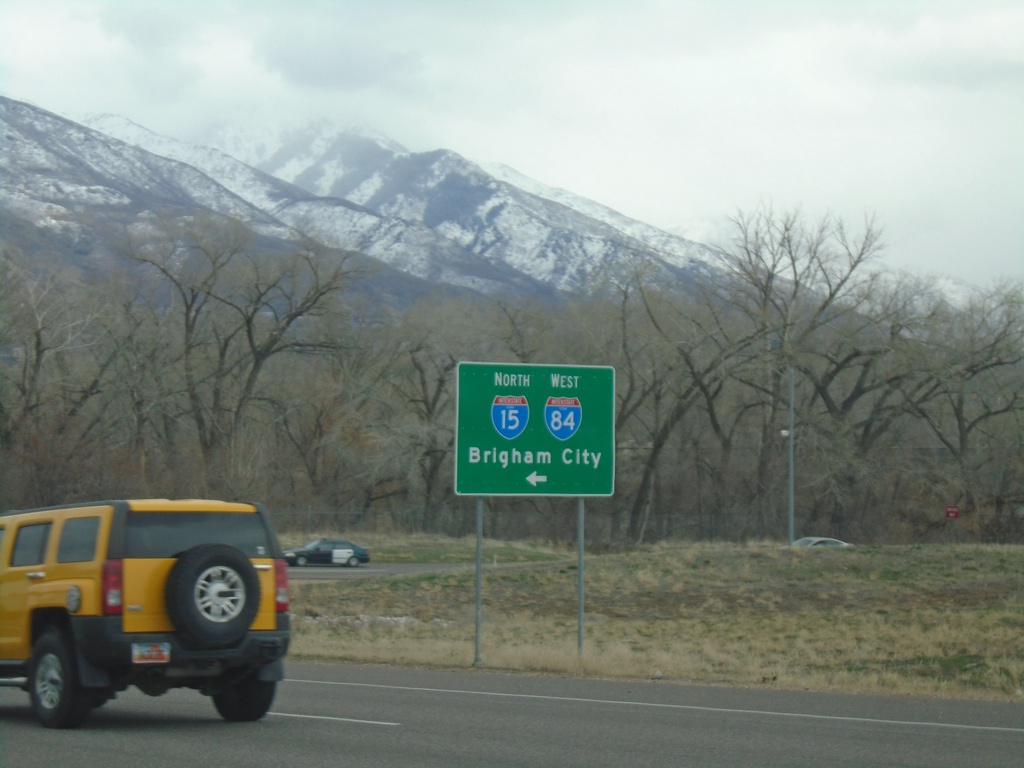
(153,593)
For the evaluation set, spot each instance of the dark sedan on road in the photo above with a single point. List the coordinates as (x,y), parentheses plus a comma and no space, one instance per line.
(328,552)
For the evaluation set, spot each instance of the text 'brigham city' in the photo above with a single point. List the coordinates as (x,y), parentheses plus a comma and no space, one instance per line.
(508,457)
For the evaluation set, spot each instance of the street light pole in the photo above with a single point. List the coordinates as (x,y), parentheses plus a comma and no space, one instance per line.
(791,489)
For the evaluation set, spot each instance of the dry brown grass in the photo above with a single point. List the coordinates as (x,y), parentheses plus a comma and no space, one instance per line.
(937,620)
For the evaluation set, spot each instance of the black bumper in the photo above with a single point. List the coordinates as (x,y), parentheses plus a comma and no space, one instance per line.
(105,652)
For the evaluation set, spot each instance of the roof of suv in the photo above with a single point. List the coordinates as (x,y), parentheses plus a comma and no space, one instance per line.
(188,505)
(152,505)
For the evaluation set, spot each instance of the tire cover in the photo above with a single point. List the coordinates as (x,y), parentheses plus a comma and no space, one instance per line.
(212,595)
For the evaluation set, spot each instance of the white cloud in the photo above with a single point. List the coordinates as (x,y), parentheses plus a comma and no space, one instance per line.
(671,111)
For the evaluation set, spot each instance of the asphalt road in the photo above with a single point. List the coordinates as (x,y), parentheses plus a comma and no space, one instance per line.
(379,716)
(320,572)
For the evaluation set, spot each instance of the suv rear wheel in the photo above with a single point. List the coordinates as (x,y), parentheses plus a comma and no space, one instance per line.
(58,699)
(212,595)
(248,700)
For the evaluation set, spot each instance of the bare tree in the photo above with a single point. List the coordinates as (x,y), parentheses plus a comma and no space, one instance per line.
(54,371)
(972,356)
(238,308)
(333,416)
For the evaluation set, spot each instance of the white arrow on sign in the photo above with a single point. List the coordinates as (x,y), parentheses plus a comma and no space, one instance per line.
(533,478)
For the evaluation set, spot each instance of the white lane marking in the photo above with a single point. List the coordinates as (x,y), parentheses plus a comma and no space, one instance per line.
(721,710)
(333,719)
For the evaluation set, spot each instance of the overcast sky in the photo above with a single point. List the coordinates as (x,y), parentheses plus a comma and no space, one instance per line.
(676,113)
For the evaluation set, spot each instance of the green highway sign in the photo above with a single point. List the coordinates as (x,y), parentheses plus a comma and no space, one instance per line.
(535,430)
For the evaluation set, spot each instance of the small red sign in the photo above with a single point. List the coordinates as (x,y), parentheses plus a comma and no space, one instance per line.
(952,512)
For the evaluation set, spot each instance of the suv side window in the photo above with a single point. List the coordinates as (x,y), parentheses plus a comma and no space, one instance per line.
(78,540)
(30,544)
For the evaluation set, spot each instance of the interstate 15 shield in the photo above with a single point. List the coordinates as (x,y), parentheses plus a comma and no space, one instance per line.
(563,416)
(509,414)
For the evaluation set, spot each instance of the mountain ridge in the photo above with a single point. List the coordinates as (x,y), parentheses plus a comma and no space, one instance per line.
(434,216)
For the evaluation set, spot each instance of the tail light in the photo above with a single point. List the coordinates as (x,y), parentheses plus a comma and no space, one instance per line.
(113,587)
(281,600)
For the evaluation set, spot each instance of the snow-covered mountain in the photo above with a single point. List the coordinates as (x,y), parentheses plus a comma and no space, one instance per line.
(348,163)
(434,216)
(489,209)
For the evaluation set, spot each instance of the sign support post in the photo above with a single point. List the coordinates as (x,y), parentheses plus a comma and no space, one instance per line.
(579,576)
(477,660)
(952,515)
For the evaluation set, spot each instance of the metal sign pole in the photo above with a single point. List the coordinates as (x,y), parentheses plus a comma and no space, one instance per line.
(477,661)
(579,572)
(792,435)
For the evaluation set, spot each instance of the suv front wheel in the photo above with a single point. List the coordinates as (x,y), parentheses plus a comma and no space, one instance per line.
(58,699)
(212,595)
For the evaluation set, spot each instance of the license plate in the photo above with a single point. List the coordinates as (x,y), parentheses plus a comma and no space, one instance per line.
(151,653)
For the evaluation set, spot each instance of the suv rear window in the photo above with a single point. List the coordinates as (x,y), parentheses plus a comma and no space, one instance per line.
(168,534)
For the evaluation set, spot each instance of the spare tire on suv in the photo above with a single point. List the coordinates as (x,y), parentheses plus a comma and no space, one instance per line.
(212,596)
